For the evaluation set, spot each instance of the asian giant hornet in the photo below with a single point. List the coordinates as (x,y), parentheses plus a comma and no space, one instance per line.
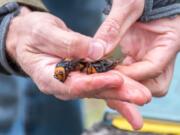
(65,66)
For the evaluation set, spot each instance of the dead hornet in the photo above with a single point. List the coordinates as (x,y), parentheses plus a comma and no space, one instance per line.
(65,66)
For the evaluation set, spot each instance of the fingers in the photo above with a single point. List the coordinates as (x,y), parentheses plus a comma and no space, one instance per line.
(123,14)
(82,85)
(153,63)
(77,85)
(128,111)
(129,91)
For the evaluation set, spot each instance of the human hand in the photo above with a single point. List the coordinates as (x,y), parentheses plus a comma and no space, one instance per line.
(150,51)
(125,107)
(145,45)
(37,41)
(122,16)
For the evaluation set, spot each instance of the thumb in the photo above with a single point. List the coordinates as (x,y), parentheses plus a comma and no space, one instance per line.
(123,14)
(69,44)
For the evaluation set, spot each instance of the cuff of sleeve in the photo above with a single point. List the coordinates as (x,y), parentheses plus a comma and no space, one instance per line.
(34,4)
(156,9)
(6,64)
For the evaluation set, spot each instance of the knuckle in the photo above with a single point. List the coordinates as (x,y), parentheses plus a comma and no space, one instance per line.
(157,70)
(72,44)
(112,25)
(58,22)
(161,91)
(74,41)
(110,30)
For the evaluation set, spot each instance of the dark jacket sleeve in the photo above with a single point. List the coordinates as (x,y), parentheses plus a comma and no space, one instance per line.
(155,9)
(35,4)
(9,9)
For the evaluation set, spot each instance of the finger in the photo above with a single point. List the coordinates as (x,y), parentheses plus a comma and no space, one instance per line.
(153,63)
(128,111)
(129,91)
(159,86)
(83,85)
(123,14)
(66,43)
(76,85)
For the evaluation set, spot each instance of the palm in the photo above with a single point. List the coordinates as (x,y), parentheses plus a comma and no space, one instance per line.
(150,49)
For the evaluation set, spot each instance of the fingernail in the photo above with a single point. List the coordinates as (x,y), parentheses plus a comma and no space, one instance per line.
(96,50)
(137,124)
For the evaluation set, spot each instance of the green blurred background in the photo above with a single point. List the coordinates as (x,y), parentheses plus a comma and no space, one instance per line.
(94,110)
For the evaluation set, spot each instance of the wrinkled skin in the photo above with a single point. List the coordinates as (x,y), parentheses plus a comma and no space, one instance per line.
(41,42)
(151,60)
(38,44)
(150,50)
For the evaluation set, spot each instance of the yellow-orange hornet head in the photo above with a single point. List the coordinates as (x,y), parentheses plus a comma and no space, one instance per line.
(60,74)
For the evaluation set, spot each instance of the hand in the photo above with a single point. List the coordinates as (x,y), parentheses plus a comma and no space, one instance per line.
(37,41)
(123,15)
(151,50)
